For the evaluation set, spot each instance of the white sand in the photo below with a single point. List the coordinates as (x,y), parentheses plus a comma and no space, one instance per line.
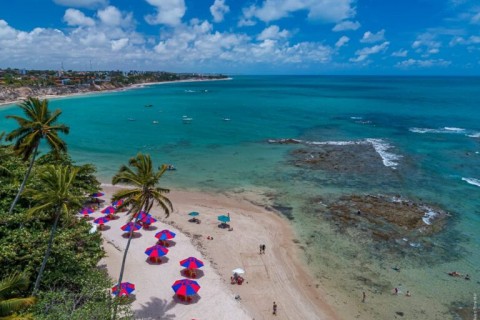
(278,275)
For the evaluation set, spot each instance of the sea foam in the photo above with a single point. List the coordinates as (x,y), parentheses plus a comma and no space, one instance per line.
(475,182)
(381,147)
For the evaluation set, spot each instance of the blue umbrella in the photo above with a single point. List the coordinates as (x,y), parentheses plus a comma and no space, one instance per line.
(97,194)
(193,214)
(223,218)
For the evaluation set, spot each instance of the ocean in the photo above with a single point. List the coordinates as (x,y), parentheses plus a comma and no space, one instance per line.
(353,137)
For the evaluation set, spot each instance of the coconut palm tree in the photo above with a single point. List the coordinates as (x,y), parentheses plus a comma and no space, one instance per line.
(10,302)
(39,123)
(3,170)
(143,194)
(56,197)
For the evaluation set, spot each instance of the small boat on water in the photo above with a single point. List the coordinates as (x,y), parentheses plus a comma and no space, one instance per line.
(226,119)
(186,120)
(155,122)
(148,105)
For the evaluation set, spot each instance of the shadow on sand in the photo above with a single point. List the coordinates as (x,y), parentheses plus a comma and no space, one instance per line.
(186,300)
(161,260)
(135,235)
(198,274)
(156,309)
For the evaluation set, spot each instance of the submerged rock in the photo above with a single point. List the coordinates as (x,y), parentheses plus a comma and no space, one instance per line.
(387,218)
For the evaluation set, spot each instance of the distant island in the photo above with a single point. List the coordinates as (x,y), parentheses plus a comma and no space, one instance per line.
(17,84)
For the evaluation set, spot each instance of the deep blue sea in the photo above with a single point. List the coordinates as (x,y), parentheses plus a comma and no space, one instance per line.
(424,131)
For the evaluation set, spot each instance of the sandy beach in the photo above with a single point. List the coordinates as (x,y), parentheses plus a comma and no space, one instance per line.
(278,275)
(131,87)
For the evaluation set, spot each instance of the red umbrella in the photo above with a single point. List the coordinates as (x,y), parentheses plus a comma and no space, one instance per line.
(86,211)
(101,220)
(109,210)
(125,289)
(165,235)
(191,263)
(185,287)
(131,226)
(156,251)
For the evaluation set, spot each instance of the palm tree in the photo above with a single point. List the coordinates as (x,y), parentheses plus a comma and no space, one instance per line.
(39,123)
(10,302)
(143,194)
(3,170)
(56,197)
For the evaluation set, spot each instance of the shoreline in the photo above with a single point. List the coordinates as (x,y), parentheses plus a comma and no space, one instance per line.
(93,92)
(278,275)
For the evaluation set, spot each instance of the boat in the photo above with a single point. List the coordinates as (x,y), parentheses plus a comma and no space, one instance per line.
(226,119)
(155,122)
(186,120)
(148,105)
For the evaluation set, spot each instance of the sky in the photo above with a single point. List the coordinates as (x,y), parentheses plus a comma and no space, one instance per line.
(369,37)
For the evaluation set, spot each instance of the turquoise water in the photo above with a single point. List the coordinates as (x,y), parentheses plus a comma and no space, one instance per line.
(426,129)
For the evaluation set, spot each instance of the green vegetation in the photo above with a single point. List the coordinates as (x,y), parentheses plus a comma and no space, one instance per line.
(144,179)
(42,239)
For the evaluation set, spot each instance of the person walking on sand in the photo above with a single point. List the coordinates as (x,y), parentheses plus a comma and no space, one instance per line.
(364,297)
(261,247)
(274,308)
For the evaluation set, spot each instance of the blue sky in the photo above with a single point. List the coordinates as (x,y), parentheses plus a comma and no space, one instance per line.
(424,37)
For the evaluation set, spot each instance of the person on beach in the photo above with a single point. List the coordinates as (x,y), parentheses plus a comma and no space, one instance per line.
(364,297)
(408,294)
(395,291)
(274,308)
(261,247)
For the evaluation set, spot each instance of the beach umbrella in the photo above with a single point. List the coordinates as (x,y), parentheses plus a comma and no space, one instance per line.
(165,235)
(194,214)
(97,194)
(140,215)
(101,220)
(148,219)
(156,251)
(86,211)
(125,289)
(238,271)
(117,203)
(191,263)
(223,218)
(131,226)
(109,210)
(186,287)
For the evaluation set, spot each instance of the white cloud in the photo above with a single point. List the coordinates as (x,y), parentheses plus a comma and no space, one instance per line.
(74,17)
(369,37)
(218,10)
(119,44)
(476,19)
(346,25)
(6,32)
(273,32)
(364,53)
(400,53)
(423,63)
(462,41)
(342,41)
(169,12)
(82,3)
(247,17)
(110,16)
(427,44)
(321,10)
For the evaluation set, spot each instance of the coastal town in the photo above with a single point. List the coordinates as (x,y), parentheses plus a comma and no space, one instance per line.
(16,84)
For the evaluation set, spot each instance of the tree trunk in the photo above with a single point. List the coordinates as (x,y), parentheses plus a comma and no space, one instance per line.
(47,253)
(24,182)
(122,268)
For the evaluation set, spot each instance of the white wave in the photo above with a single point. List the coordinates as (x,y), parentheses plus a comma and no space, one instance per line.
(449,130)
(429,216)
(459,130)
(474,135)
(381,147)
(475,182)
(336,143)
(356,118)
